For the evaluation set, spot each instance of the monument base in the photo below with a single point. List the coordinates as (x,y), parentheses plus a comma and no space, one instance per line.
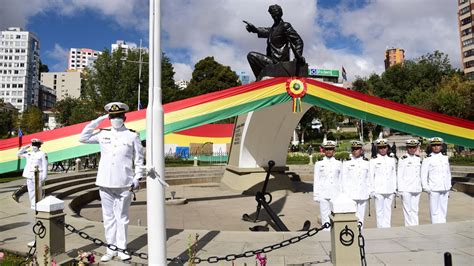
(250,180)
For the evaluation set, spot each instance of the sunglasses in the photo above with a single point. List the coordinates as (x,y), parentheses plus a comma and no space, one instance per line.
(435,144)
(329,149)
(357,148)
(411,147)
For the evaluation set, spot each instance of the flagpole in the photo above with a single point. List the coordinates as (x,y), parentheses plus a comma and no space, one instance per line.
(154,146)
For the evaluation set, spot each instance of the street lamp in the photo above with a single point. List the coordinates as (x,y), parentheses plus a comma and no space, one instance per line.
(140,63)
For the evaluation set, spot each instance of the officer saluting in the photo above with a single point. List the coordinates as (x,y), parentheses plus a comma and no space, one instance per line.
(121,149)
(436,180)
(326,184)
(34,158)
(409,182)
(384,179)
(355,178)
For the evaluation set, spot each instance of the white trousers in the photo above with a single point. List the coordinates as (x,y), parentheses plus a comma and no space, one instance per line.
(324,210)
(439,206)
(30,184)
(383,209)
(410,202)
(361,206)
(115,205)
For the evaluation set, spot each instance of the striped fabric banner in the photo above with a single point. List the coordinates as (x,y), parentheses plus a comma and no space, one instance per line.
(62,143)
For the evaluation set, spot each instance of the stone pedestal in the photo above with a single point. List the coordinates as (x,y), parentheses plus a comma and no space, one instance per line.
(344,232)
(51,244)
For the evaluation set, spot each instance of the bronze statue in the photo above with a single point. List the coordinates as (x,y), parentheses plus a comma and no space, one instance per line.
(281,37)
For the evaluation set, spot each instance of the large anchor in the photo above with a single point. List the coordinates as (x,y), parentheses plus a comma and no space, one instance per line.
(264,199)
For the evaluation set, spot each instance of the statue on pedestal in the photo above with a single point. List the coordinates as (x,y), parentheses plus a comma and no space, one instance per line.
(281,37)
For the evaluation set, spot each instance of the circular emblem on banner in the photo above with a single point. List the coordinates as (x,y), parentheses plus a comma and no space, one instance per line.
(296,88)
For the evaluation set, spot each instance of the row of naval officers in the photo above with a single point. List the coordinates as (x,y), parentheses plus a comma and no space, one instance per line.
(382,178)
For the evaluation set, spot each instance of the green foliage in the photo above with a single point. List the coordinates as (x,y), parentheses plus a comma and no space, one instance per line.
(342,155)
(462,160)
(82,112)
(297,158)
(32,120)
(455,97)
(209,76)
(7,123)
(169,89)
(63,110)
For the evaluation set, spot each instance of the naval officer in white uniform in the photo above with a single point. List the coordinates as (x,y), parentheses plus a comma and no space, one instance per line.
(34,158)
(436,180)
(327,183)
(121,151)
(409,182)
(355,178)
(383,175)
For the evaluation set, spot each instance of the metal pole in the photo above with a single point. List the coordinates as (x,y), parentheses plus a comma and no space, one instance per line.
(155,147)
(362,130)
(139,74)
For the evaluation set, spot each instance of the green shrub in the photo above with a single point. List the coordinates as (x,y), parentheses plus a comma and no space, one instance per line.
(462,159)
(297,158)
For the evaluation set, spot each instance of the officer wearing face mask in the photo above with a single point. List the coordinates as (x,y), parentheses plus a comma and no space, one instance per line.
(121,150)
(34,158)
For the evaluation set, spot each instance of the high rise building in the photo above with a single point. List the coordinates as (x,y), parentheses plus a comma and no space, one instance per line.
(182,84)
(65,84)
(123,45)
(394,56)
(466,17)
(80,58)
(244,77)
(19,67)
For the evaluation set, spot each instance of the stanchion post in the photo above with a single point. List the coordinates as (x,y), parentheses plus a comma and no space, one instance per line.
(344,232)
(50,239)
(78,165)
(37,190)
(195,161)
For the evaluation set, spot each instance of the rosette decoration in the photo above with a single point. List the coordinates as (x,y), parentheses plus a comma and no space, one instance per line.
(296,88)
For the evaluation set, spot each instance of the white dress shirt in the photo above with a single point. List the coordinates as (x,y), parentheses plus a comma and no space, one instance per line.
(327,184)
(383,174)
(408,175)
(435,173)
(33,159)
(120,151)
(355,178)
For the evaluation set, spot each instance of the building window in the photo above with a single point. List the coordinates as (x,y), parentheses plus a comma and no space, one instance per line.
(466,31)
(469,64)
(467,42)
(468,53)
(464,10)
(462,2)
(465,21)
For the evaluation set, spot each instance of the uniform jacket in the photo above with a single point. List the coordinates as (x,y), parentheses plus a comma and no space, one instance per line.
(33,159)
(280,38)
(383,174)
(120,150)
(355,180)
(435,173)
(327,178)
(408,175)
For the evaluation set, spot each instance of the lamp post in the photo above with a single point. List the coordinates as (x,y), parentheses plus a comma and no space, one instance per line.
(140,62)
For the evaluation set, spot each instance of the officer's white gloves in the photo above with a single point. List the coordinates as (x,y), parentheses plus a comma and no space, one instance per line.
(135,183)
(427,190)
(316,198)
(97,121)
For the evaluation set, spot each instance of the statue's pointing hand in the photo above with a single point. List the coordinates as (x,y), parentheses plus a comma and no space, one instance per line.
(250,27)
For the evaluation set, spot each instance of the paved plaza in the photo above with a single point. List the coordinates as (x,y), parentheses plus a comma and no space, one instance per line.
(214,213)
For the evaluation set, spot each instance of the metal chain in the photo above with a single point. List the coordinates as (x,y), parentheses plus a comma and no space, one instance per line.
(269,248)
(39,229)
(363,261)
(196,260)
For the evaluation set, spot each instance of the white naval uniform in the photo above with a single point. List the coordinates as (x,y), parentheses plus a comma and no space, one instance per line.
(327,184)
(436,179)
(33,159)
(409,186)
(384,180)
(356,183)
(120,150)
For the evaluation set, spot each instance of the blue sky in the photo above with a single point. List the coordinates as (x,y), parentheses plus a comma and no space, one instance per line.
(348,33)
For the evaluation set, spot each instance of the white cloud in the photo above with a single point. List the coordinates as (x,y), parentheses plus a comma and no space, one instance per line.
(60,56)
(215,28)
(183,71)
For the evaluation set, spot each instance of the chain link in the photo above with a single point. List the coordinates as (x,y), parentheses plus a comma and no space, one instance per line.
(267,249)
(197,260)
(39,229)
(361,241)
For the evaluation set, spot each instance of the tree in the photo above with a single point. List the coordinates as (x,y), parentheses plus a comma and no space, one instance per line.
(209,76)
(169,89)
(82,112)
(43,68)
(32,120)
(63,110)
(455,97)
